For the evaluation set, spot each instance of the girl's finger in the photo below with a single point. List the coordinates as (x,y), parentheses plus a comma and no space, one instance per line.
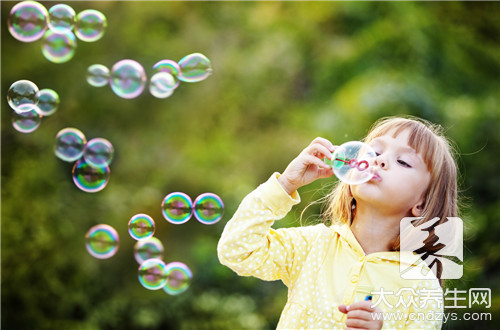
(319,150)
(327,144)
(364,305)
(312,160)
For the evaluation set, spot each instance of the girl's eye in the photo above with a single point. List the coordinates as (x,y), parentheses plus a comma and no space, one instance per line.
(403,163)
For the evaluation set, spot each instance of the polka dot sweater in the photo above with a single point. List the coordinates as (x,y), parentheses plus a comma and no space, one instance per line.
(323,267)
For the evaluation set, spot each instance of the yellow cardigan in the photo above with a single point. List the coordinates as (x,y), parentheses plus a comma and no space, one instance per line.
(322,267)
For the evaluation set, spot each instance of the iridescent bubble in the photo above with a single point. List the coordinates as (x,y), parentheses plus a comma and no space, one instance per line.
(177,208)
(26,122)
(128,79)
(90,179)
(22,96)
(152,274)
(28,21)
(194,67)
(98,152)
(148,248)
(48,102)
(61,16)
(90,25)
(102,241)
(162,85)
(69,145)
(141,226)
(208,208)
(352,162)
(97,75)
(178,278)
(168,66)
(59,46)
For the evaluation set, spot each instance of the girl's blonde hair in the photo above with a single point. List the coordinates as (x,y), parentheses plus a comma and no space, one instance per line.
(428,140)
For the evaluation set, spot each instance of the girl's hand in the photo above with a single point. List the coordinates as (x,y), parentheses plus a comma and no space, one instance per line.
(308,166)
(360,316)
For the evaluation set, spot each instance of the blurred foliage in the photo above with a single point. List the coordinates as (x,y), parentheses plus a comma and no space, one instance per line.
(284,73)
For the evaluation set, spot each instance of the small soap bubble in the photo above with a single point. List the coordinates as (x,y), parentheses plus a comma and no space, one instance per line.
(22,96)
(177,208)
(97,75)
(61,16)
(26,122)
(162,85)
(48,102)
(208,208)
(178,278)
(148,248)
(102,241)
(127,79)
(194,67)
(70,143)
(28,21)
(90,179)
(152,274)
(168,66)
(98,152)
(352,162)
(59,46)
(90,25)
(141,226)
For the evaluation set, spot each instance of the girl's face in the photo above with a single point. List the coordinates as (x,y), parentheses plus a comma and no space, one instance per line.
(401,177)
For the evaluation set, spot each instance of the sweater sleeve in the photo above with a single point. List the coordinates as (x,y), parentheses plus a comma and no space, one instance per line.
(250,247)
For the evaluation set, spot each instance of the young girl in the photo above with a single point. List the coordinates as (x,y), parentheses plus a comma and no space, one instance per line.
(329,270)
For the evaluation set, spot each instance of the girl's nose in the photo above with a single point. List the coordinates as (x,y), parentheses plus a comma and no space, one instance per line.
(381,162)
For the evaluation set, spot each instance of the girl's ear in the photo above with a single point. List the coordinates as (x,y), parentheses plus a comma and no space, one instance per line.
(418,209)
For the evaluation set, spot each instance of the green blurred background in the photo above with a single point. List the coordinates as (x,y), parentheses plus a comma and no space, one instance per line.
(283,73)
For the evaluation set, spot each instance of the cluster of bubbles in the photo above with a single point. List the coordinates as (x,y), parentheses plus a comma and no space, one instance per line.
(127,78)
(30,104)
(58,27)
(178,208)
(352,162)
(92,158)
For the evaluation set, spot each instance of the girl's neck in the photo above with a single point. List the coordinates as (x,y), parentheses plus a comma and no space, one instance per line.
(375,231)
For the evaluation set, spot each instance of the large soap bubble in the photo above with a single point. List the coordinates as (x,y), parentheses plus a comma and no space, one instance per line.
(352,162)
(102,241)
(70,143)
(22,96)
(61,16)
(127,79)
(90,25)
(27,21)
(194,67)
(59,45)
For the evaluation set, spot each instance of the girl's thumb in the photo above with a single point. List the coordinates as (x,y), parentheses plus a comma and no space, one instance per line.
(343,309)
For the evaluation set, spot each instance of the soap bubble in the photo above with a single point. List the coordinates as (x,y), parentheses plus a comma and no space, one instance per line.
(98,152)
(152,274)
(90,179)
(141,226)
(27,21)
(61,16)
(148,248)
(162,85)
(90,25)
(178,278)
(177,208)
(208,208)
(97,75)
(70,143)
(22,96)
(128,79)
(59,45)
(26,122)
(351,162)
(102,241)
(48,102)
(168,66)
(194,67)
